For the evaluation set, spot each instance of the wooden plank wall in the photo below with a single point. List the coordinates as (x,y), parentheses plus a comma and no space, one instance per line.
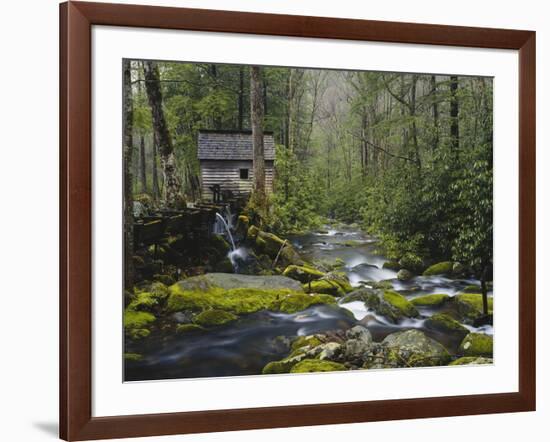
(227,175)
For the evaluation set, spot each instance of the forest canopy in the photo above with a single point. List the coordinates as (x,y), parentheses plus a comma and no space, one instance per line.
(408,157)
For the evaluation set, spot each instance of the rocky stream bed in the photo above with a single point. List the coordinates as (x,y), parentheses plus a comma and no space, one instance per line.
(322,301)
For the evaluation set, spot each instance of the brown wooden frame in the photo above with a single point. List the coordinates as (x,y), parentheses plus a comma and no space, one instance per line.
(76,20)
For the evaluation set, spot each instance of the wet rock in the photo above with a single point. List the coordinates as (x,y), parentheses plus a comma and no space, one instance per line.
(232,280)
(445,324)
(392,305)
(360,333)
(404,275)
(412,348)
(188,328)
(330,350)
(360,294)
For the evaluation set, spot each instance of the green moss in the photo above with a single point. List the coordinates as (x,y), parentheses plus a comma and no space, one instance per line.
(471,360)
(445,324)
(134,319)
(316,365)
(132,357)
(303,273)
(302,341)
(477,344)
(214,317)
(470,305)
(441,268)
(430,300)
(282,366)
(297,301)
(335,284)
(382,285)
(400,303)
(252,232)
(188,328)
(472,288)
(143,301)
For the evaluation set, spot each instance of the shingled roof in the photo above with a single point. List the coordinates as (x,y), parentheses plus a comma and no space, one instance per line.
(231,145)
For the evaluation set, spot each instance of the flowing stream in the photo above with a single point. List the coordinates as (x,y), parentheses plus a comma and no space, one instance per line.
(245,346)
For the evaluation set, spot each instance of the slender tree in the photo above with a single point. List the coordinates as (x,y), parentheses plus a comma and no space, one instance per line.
(172,186)
(454,115)
(128,196)
(156,188)
(256,122)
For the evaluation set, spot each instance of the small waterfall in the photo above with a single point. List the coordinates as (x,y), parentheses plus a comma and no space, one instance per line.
(224,223)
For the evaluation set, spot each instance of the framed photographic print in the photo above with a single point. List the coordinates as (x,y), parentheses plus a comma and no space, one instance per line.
(273,220)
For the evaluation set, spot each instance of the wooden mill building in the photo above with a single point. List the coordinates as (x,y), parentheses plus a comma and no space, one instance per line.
(225,158)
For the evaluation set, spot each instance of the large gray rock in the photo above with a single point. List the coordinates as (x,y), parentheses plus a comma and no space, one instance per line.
(232,281)
(360,333)
(412,348)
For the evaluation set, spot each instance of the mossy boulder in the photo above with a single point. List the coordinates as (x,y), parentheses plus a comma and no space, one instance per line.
(284,365)
(412,262)
(296,302)
(469,306)
(391,265)
(303,341)
(184,296)
(443,323)
(392,305)
(333,283)
(472,360)
(269,243)
(441,268)
(188,328)
(434,300)
(404,275)
(412,348)
(137,323)
(316,365)
(477,344)
(400,303)
(302,273)
(214,317)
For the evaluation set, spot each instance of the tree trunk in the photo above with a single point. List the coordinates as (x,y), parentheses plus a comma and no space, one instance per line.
(454,116)
(241,98)
(257,118)
(435,113)
(128,197)
(172,197)
(142,165)
(156,189)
